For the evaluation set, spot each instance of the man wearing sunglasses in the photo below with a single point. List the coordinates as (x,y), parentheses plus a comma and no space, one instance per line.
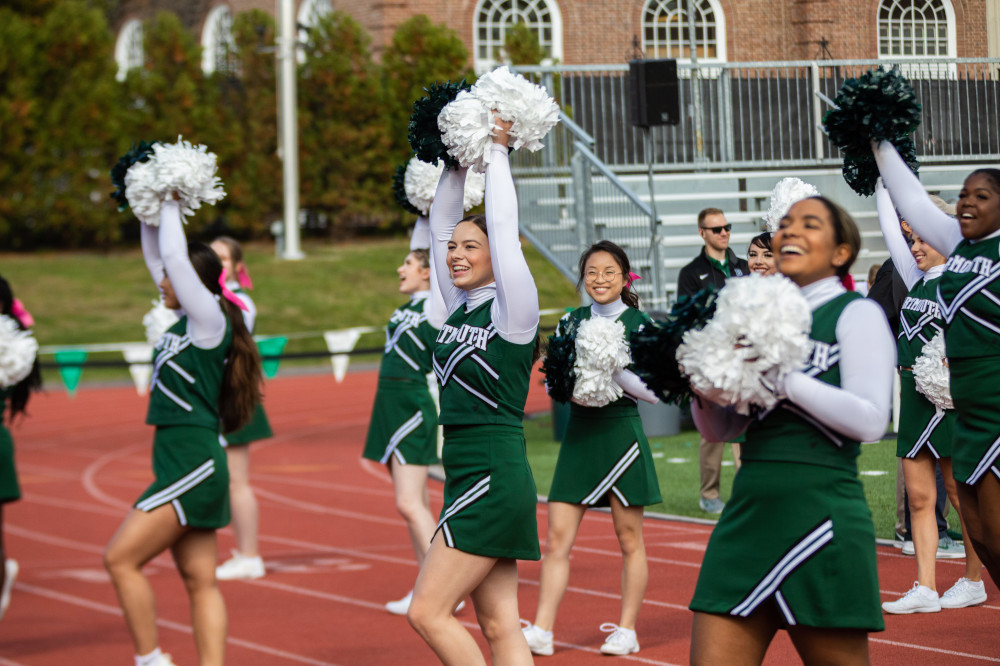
(710,269)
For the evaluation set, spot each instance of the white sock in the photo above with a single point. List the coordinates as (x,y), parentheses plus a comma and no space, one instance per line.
(151,659)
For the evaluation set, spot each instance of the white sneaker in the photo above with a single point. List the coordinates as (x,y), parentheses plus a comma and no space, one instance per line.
(539,640)
(949,549)
(11,569)
(400,606)
(919,599)
(908,548)
(621,641)
(240,567)
(964,593)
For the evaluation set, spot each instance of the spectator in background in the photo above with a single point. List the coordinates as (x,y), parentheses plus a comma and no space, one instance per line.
(710,270)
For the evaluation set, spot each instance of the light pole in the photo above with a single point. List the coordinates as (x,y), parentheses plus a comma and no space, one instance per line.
(289,125)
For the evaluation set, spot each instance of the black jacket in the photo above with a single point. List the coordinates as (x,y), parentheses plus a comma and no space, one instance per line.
(701,273)
(889,291)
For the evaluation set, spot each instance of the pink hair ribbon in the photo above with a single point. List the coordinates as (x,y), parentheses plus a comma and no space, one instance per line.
(229,295)
(244,277)
(18,310)
(632,277)
(848,282)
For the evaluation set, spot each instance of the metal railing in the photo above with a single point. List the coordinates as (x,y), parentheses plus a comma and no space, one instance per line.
(767,114)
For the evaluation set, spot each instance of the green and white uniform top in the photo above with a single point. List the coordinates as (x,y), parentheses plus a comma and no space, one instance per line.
(409,341)
(840,399)
(484,350)
(920,317)
(189,359)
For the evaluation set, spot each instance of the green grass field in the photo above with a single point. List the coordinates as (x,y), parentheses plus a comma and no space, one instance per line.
(87,298)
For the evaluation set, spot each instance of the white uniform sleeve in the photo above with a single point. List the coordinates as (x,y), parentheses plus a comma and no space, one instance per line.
(206,321)
(902,258)
(515,310)
(250,314)
(420,239)
(151,253)
(715,422)
(634,386)
(859,407)
(446,213)
(936,227)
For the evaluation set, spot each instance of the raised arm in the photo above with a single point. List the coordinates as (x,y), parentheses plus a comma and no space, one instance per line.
(206,321)
(420,239)
(515,310)
(859,407)
(902,259)
(151,252)
(445,215)
(933,225)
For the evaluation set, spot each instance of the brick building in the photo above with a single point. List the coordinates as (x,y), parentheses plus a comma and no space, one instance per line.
(592,32)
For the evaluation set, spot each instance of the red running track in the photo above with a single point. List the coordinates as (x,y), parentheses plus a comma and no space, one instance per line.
(335,551)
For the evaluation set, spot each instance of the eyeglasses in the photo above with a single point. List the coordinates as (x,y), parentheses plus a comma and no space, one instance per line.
(608,276)
(718,230)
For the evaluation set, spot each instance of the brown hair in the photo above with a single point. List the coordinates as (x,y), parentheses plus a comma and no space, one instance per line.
(629,297)
(20,392)
(240,392)
(845,232)
(708,211)
(423,256)
(235,251)
(479,221)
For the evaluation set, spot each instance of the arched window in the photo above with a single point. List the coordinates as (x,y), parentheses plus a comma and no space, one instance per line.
(494,17)
(666,34)
(128,48)
(916,29)
(218,52)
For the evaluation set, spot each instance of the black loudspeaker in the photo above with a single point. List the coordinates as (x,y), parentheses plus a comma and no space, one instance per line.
(654,92)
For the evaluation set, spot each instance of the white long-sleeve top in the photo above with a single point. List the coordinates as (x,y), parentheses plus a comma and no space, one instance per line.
(628,380)
(859,407)
(515,308)
(902,258)
(165,250)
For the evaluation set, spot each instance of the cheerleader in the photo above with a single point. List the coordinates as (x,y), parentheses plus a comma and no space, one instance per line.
(925,431)
(205,369)
(246,562)
(795,545)
(402,432)
(760,256)
(18,394)
(483,360)
(967,294)
(604,460)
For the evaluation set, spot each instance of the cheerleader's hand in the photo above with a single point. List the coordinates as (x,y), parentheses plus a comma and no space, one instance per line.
(502,133)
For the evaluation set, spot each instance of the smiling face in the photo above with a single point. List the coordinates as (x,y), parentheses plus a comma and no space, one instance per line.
(603,278)
(805,244)
(761,260)
(979,206)
(469,257)
(925,256)
(413,276)
(169,297)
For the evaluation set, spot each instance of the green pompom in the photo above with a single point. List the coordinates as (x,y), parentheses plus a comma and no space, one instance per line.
(654,346)
(879,106)
(861,171)
(560,356)
(139,152)
(424,135)
(399,190)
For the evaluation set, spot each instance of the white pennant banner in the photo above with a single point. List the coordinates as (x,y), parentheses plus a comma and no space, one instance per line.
(339,342)
(139,357)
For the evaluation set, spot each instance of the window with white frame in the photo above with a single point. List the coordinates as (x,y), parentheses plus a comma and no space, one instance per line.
(128,48)
(218,48)
(916,29)
(666,30)
(494,17)
(310,12)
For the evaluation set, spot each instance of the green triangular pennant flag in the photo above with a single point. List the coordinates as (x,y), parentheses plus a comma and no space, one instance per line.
(70,363)
(271,347)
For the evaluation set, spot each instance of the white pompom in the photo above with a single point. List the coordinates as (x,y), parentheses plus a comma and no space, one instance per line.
(420,182)
(466,131)
(601,351)
(787,192)
(760,331)
(158,320)
(529,106)
(181,168)
(475,187)
(931,374)
(18,349)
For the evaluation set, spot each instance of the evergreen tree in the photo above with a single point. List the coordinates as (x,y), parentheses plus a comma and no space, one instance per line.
(420,54)
(344,139)
(521,45)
